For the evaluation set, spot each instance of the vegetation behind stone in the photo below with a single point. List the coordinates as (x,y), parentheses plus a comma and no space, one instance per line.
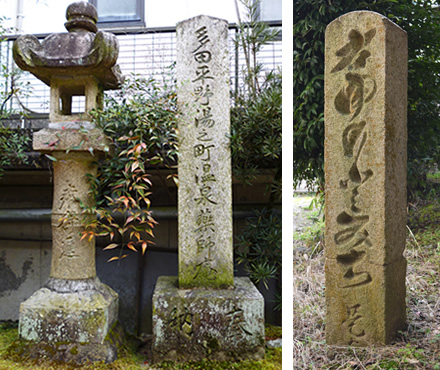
(420,19)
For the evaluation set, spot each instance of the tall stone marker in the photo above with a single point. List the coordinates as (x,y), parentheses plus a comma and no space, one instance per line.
(74,316)
(205,312)
(365,174)
(205,191)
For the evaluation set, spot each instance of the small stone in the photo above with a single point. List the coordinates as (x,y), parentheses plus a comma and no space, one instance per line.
(83,312)
(276,343)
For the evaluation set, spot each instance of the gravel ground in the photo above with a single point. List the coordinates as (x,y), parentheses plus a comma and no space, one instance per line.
(301,203)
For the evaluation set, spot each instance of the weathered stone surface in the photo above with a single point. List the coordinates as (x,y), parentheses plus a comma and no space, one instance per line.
(205,191)
(72,321)
(81,51)
(71,318)
(70,352)
(87,54)
(81,62)
(62,90)
(79,315)
(67,138)
(72,258)
(365,169)
(192,324)
(369,313)
(204,312)
(81,16)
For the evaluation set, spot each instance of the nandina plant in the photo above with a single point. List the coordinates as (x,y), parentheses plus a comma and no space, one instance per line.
(140,122)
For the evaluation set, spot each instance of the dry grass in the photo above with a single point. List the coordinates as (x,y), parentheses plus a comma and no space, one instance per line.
(418,347)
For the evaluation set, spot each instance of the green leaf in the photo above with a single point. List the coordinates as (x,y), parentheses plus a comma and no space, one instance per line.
(53,159)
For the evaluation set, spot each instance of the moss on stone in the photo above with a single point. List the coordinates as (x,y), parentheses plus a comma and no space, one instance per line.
(198,323)
(116,336)
(74,350)
(224,279)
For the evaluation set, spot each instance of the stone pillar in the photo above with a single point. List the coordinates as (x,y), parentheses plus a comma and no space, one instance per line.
(205,312)
(73,318)
(365,174)
(73,257)
(205,191)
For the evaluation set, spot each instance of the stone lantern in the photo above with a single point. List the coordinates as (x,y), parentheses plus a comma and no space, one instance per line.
(74,316)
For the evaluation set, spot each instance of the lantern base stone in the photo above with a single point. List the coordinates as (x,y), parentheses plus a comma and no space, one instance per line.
(71,321)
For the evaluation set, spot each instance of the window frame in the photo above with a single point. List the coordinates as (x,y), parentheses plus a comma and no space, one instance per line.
(114,22)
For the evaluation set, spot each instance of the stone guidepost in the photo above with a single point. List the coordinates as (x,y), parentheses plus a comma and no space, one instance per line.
(205,191)
(365,173)
(73,317)
(205,312)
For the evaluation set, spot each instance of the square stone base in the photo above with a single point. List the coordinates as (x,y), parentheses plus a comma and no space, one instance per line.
(222,324)
(72,320)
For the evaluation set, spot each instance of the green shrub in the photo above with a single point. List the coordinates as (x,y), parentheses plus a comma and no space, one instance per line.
(13,146)
(256,111)
(421,20)
(256,144)
(258,246)
(140,122)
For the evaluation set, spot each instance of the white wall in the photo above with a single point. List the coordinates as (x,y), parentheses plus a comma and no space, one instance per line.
(40,16)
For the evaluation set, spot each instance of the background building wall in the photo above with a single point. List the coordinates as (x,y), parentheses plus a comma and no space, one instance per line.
(25,245)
